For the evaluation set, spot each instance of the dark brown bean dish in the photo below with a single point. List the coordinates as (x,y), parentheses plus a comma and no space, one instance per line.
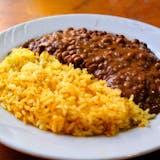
(127,65)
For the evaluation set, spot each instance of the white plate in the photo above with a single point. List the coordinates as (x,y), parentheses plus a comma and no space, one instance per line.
(31,140)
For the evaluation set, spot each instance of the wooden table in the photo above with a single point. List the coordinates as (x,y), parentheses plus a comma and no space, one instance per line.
(17,11)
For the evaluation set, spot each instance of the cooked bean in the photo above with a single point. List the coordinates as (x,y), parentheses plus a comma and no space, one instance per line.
(127,65)
(73,56)
(70,47)
(92,68)
(101,66)
(66,58)
(136,41)
(98,59)
(77,60)
(157,65)
(127,84)
(58,55)
(120,40)
(64,54)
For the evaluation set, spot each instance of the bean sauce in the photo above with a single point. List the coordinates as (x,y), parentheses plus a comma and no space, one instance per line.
(127,65)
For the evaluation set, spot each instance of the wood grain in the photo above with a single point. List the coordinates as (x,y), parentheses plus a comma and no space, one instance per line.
(16,11)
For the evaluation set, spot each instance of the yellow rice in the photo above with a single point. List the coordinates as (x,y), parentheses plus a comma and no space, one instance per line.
(41,91)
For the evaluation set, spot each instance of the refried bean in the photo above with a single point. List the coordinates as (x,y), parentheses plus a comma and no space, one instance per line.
(127,65)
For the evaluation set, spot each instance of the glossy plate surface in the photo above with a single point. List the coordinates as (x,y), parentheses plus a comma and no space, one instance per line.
(31,140)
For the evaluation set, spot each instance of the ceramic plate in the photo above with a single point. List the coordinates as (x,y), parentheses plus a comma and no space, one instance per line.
(31,140)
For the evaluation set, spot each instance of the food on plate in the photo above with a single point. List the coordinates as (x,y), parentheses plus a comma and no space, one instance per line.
(127,65)
(41,91)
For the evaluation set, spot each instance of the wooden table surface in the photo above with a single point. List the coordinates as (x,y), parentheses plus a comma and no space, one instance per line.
(16,11)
